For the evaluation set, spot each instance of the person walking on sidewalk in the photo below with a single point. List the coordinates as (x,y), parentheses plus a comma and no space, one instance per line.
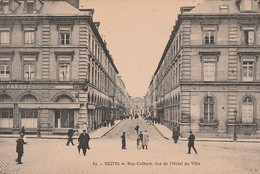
(145,140)
(123,141)
(175,134)
(137,129)
(83,142)
(70,135)
(139,140)
(191,142)
(19,148)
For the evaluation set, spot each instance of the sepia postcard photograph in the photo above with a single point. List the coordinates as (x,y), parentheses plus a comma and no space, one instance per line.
(129,86)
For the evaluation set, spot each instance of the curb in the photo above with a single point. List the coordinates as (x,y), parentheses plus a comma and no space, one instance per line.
(55,137)
(161,132)
(110,129)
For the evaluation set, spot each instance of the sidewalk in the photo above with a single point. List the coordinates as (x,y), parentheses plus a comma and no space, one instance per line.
(93,135)
(167,134)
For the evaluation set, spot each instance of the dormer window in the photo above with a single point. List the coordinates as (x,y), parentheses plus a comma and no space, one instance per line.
(4,6)
(29,7)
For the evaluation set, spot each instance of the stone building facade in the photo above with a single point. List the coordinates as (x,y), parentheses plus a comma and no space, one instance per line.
(55,70)
(208,77)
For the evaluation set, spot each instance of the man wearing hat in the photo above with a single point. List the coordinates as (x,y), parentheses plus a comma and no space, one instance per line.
(123,137)
(83,142)
(191,142)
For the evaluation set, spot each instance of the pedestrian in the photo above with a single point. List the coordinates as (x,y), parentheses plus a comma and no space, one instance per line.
(123,137)
(19,148)
(139,140)
(175,134)
(145,140)
(191,142)
(137,129)
(70,135)
(83,142)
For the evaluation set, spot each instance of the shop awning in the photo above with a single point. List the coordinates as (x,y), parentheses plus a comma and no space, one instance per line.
(7,105)
(49,105)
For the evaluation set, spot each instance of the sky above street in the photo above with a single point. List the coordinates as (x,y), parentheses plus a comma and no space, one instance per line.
(136,32)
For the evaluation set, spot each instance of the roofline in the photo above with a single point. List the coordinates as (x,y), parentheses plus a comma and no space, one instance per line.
(95,31)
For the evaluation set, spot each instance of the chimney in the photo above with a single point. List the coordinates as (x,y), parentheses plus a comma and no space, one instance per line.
(97,24)
(74,3)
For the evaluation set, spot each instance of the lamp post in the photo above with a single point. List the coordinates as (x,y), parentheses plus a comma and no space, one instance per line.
(235,126)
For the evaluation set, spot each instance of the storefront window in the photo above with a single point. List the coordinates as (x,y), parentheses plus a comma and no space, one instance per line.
(29,118)
(6,118)
(64,118)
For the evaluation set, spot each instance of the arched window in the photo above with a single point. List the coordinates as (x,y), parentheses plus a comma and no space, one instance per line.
(209,109)
(247,110)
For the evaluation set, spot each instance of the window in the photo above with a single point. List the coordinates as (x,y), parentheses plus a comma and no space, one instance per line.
(30,7)
(247,110)
(209,70)
(29,70)
(6,118)
(29,36)
(65,36)
(209,36)
(4,37)
(248,4)
(248,70)
(209,65)
(64,118)
(5,67)
(4,6)
(249,36)
(208,112)
(29,118)
(64,70)
(4,72)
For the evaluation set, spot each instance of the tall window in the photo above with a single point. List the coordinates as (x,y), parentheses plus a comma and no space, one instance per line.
(248,70)
(29,67)
(5,68)
(4,72)
(29,36)
(209,70)
(65,33)
(4,37)
(30,7)
(209,36)
(247,110)
(209,109)
(249,36)
(64,70)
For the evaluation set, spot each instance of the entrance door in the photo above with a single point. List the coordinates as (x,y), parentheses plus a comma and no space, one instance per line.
(64,118)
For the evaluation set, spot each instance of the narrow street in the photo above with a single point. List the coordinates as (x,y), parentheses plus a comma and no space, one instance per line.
(106,155)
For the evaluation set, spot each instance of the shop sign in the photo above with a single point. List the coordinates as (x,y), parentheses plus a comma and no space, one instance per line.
(16,86)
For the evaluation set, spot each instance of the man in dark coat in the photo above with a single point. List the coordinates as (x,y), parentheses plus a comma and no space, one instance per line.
(19,148)
(123,141)
(83,142)
(191,142)
(70,135)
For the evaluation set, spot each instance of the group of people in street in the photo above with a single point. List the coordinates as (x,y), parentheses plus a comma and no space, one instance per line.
(83,140)
(142,139)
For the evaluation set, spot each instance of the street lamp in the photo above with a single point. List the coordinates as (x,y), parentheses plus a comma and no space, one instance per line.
(235,126)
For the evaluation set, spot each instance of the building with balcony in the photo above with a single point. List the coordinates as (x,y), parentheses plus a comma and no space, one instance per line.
(208,77)
(55,69)
(137,106)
